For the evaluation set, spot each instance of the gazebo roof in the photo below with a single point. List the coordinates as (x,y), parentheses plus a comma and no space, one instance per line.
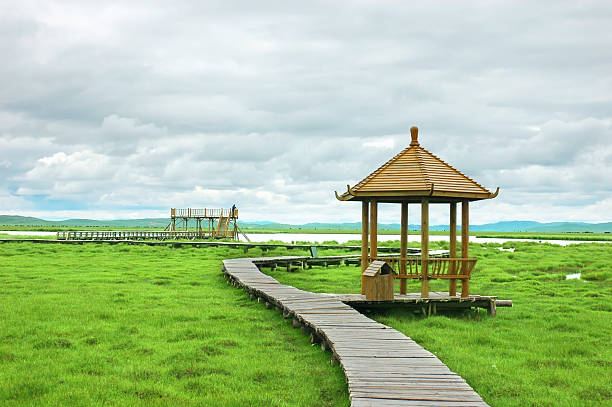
(413,174)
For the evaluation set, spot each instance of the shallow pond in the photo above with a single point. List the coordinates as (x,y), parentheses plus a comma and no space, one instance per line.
(345,237)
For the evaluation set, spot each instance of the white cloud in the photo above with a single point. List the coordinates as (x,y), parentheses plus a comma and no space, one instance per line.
(385,144)
(275,106)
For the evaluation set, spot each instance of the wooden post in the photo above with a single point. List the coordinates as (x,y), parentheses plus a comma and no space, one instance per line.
(373,229)
(465,241)
(492,308)
(364,241)
(424,247)
(403,246)
(452,289)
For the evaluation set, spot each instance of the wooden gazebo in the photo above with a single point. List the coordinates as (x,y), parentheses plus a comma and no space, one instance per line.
(417,176)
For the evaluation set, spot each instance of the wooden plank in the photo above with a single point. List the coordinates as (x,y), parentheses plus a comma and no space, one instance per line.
(383,367)
(376,402)
(433,395)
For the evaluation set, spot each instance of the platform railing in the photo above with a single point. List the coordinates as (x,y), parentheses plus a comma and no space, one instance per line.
(127,235)
(443,268)
(136,235)
(202,213)
(435,268)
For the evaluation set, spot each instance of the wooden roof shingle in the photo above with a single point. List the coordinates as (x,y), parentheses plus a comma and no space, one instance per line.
(415,173)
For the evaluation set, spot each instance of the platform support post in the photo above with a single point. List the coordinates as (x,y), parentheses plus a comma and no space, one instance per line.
(424,247)
(465,242)
(492,308)
(373,229)
(452,267)
(403,246)
(364,241)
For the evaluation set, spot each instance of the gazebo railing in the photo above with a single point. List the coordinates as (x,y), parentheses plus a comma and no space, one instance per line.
(437,268)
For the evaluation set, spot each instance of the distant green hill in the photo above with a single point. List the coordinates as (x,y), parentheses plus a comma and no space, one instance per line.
(29,221)
(23,221)
(553,227)
(507,226)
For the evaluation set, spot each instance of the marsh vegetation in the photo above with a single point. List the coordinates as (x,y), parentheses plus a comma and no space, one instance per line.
(551,348)
(138,325)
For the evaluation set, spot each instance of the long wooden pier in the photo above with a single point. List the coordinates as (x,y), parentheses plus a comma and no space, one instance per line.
(383,367)
(128,234)
(197,243)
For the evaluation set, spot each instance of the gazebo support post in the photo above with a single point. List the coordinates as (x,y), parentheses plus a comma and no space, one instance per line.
(452,289)
(424,247)
(465,241)
(373,229)
(403,246)
(364,241)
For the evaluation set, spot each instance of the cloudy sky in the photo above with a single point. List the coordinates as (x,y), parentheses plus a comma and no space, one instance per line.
(125,109)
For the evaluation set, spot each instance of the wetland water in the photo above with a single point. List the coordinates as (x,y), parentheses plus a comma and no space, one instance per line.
(26,233)
(345,237)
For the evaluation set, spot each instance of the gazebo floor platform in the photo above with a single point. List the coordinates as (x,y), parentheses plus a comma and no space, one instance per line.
(437,301)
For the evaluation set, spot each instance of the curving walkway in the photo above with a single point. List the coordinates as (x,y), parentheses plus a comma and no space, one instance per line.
(383,367)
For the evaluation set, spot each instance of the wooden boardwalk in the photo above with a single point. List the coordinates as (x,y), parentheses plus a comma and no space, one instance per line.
(383,367)
(204,243)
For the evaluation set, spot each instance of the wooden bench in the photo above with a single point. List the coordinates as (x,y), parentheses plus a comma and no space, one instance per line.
(437,268)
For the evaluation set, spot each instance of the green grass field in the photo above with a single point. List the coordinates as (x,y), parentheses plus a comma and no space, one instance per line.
(551,349)
(99,324)
(136,325)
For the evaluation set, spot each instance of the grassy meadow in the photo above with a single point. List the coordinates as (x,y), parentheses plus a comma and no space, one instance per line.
(99,324)
(87,325)
(551,349)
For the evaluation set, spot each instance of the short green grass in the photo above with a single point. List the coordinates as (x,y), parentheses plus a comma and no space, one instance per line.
(119,325)
(551,349)
(122,325)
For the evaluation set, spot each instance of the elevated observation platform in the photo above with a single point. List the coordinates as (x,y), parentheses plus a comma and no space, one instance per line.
(214,223)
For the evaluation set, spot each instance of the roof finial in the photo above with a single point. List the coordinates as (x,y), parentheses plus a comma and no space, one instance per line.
(414,133)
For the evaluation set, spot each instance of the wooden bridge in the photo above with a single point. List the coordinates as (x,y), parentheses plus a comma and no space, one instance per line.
(159,238)
(383,367)
(127,235)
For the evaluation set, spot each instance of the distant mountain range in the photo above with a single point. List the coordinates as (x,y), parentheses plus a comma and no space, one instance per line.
(507,226)
(136,223)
